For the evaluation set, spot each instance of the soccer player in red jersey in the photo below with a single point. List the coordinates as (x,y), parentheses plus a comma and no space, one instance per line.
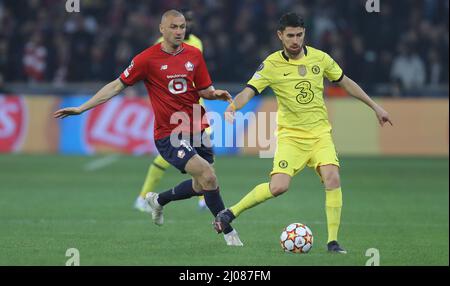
(176,76)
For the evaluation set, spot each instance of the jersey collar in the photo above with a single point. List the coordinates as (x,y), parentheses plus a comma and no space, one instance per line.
(287,58)
(172,54)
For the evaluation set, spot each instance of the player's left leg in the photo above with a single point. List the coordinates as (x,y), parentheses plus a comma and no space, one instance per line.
(205,180)
(279,184)
(333,204)
(326,164)
(288,160)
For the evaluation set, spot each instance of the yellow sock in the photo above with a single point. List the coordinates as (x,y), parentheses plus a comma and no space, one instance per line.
(333,206)
(155,173)
(258,195)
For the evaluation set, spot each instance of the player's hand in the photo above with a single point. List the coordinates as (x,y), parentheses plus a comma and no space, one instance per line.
(223,95)
(382,116)
(230,112)
(64,112)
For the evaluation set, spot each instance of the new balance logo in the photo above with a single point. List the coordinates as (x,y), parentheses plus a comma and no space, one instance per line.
(163,67)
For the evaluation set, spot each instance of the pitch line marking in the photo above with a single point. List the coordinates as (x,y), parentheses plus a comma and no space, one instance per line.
(101,163)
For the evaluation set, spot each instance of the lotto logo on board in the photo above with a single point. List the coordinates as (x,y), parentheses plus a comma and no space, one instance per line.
(12,123)
(121,125)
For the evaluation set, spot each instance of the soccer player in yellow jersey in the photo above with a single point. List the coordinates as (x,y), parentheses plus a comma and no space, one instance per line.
(295,75)
(158,168)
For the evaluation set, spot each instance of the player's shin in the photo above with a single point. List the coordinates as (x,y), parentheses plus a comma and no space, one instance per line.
(183,191)
(155,173)
(333,207)
(256,196)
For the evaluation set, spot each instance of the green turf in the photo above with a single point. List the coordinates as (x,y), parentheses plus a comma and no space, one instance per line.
(50,203)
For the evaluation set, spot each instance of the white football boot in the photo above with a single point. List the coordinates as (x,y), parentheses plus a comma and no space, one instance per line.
(232,239)
(142,205)
(157,213)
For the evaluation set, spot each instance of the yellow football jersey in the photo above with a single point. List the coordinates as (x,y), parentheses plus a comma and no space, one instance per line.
(193,41)
(298,86)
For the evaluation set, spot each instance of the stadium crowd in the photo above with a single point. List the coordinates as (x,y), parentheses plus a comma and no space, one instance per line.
(406,44)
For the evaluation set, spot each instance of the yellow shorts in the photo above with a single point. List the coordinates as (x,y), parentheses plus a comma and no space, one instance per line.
(293,154)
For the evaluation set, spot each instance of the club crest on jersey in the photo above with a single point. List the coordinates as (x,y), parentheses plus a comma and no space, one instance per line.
(283,164)
(181,154)
(164,67)
(302,70)
(315,69)
(189,66)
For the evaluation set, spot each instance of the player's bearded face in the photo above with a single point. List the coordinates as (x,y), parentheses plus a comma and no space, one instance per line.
(292,39)
(173,30)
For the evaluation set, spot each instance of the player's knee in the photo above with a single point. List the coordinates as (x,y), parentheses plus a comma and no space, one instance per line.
(208,179)
(277,190)
(332,180)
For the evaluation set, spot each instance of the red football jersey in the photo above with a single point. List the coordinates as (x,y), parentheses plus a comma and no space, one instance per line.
(172,82)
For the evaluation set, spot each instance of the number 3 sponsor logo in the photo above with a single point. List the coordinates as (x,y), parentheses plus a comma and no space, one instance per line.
(305,95)
(177,85)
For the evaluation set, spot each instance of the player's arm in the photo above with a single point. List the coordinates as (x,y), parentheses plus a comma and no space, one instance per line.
(256,85)
(104,94)
(136,71)
(356,91)
(239,102)
(213,94)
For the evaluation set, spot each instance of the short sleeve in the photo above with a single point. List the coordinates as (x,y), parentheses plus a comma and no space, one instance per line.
(332,71)
(135,72)
(202,79)
(260,79)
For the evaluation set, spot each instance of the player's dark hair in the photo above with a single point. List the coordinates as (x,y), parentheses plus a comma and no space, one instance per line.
(290,20)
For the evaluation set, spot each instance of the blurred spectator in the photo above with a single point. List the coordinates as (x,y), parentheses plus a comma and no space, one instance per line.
(61,56)
(408,68)
(122,57)
(383,67)
(435,68)
(35,58)
(99,42)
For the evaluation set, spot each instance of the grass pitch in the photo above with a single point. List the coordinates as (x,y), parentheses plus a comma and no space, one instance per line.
(48,204)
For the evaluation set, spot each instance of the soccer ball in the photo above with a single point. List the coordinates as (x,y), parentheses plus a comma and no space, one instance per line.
(296,238)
